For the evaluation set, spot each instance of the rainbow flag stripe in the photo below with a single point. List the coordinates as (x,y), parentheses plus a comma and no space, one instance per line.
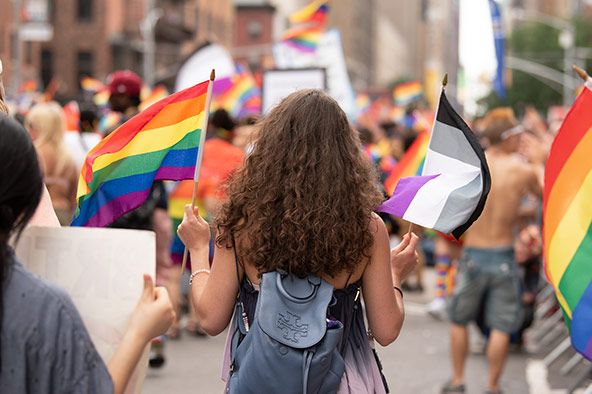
(305,39)
(158,93)
(158,143)
(101,98)
(411,163)
(238,95)
(407,93)
(363,102)
(315,12)
(91,85)
(567,218)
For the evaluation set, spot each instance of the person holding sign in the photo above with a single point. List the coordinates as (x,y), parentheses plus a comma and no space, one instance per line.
(44,346)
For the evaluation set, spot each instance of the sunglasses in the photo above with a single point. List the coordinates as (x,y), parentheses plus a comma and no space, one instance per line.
(513,131)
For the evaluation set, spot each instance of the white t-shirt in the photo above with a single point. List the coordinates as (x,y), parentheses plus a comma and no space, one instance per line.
(79,144)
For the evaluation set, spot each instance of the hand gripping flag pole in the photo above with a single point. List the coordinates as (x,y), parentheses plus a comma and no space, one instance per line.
(202,138)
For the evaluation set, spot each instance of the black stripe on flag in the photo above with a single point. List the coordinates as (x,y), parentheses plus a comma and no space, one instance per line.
(447,115)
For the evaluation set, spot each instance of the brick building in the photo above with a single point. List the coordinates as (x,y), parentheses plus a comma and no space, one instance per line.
(253,36)
(94,37)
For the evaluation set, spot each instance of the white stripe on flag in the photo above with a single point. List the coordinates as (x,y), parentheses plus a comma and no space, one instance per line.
(437,163)
(428,203)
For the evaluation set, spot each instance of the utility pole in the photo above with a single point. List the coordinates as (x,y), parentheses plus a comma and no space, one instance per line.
(567,42)
(147,29)
(15,75)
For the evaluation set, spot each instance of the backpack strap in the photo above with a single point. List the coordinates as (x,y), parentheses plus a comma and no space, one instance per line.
(352,323)
(240,324)
(347,281)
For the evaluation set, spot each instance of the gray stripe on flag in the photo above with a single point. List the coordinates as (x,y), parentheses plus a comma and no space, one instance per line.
(459,206)
(452,142)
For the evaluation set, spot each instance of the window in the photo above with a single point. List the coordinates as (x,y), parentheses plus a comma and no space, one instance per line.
(254,29)
(85,64)
(85,10)
(28,52)
(46,66)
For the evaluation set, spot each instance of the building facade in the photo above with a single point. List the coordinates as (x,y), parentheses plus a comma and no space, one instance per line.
(253,35)
(93,38)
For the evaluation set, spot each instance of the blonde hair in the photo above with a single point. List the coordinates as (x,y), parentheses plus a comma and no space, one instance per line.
(47,119)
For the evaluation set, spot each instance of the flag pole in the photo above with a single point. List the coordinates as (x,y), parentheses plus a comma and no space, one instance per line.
(583,74)
(444,83)
(200,149)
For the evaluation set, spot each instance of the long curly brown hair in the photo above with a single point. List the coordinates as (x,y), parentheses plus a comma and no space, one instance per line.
(303,200)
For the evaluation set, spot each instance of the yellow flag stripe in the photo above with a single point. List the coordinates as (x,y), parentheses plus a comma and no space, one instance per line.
(143,142)
(570,232)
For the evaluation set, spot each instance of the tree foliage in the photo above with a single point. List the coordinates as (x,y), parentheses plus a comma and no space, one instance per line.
(539,43)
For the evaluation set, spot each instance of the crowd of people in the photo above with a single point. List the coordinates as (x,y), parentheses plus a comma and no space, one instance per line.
(303,185)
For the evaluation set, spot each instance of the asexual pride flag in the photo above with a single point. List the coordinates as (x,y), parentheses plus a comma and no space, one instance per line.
(451,192)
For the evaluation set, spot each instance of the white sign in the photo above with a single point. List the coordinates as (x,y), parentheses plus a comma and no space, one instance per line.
(278,84)
(329,55)
(36,32)
(101,270)
(198,66)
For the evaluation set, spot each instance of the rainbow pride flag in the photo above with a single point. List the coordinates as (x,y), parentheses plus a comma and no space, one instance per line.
(411,164)
(108,121)
(407,93)
(241,98)
(101,98)
(303,38)
(363,102)
(161,142)
(71,115)
(567,220)
(89,84)
(158,93)
(314,13)
(397,114)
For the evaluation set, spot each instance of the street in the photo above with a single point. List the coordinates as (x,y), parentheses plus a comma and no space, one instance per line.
(417,362)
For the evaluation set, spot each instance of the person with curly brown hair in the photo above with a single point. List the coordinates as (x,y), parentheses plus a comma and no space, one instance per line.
(303,203)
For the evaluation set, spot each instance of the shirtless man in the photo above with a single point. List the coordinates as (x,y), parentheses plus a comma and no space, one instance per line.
(487,266)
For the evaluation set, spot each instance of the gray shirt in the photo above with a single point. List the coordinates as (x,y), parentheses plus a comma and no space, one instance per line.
(45,346)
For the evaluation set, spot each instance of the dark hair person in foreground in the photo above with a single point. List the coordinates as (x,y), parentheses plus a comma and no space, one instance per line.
(44,346)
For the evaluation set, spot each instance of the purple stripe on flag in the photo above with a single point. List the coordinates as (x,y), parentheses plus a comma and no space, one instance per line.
(117,207)
(221,85)
(404,193)
(175,173)
(588,350)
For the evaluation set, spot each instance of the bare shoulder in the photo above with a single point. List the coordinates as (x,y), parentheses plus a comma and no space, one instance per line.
(376,225)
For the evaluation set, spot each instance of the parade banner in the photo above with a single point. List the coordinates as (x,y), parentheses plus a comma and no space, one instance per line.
(101,270)
(278,84)
(329,55)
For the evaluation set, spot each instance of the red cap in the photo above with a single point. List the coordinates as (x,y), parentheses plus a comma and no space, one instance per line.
(125,82)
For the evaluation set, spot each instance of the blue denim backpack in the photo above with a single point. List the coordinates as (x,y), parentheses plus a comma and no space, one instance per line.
(291,346)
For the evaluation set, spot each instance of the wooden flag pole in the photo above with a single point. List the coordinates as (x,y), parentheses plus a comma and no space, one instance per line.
(583,74)
(202,139)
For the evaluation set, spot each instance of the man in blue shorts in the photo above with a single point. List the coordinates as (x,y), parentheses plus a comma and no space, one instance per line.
(487,272)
